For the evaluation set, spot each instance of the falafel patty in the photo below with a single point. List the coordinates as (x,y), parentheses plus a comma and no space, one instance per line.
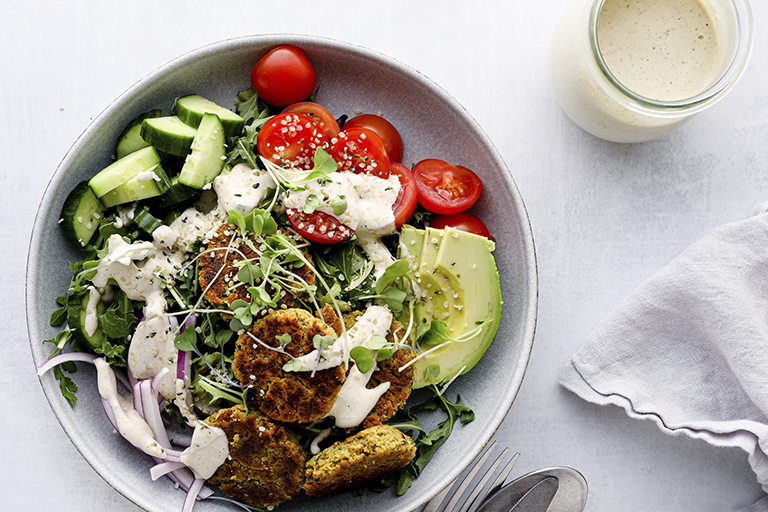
(399,390)
(266,462)
(372,453)
(286,396)
(221,285)
(388,370)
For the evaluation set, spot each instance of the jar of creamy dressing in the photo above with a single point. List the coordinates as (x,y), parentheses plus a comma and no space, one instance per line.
(635,70)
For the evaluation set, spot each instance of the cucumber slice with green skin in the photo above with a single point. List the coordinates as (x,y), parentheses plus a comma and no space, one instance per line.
(123,170)
(130,140)
(80,215)
(176,195)
(168,134)
(208,154)
(190,110)
(145,220)
(149,183)
(77,316)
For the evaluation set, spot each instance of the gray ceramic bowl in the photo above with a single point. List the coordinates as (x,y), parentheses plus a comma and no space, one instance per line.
(351,78)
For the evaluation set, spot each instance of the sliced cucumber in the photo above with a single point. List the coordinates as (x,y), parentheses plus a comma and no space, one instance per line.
(177,194)
(123,170)
(149,183)
(168,134)
(80,215)
(191,108)
(206,160)
(145,220)
(77,315)
(130,140)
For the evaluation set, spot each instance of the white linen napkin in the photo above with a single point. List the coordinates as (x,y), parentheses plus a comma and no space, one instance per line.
(689,347)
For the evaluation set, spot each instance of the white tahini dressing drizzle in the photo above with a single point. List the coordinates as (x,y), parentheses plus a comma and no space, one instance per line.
(369,208)
(314,446)
(91,320)
(151,347)
(140,269)
(208,450)
(242,188)
(146,176)
(375,321)
(354,400)
(130,424)
(369,200)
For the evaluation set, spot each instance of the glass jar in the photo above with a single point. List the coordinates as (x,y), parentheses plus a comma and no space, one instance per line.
(592,96)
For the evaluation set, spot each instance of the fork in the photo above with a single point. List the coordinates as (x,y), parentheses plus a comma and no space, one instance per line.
(434,503)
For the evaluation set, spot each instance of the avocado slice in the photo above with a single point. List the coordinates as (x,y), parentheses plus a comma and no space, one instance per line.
(458,284)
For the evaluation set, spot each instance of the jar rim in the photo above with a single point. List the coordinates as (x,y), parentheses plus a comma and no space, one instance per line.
(727,79)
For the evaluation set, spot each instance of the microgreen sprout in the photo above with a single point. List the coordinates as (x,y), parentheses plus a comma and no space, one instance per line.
(392,296)
(337,204)
(437,336)
(375,349)
(292,178)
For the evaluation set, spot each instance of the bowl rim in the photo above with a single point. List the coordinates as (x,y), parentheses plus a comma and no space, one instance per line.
(529,317)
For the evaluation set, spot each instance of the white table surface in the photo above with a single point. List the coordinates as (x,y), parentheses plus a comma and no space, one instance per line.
(605,216)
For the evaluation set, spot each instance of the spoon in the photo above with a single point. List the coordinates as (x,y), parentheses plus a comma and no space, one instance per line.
(571,495)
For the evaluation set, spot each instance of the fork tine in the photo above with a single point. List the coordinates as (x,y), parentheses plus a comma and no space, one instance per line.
(435,503)
(479,487)
(503,475)
(468,480)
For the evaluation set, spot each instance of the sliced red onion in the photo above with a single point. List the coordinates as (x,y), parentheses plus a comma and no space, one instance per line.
(137,403)
(179,439)
(152,413)
(192,494)
(164,468)
(64,358)
(109,412)
(183,366)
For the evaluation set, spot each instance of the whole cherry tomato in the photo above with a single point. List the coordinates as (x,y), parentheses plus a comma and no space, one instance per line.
(318,114)
(445,188)
(283,76)
(389,135)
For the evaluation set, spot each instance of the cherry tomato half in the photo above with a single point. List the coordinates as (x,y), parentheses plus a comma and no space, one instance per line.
(445,188)
(318,226)
(290,139)
(406,198)
(318,114)
(283,76)
(462,221)
(393,143)
(361,151)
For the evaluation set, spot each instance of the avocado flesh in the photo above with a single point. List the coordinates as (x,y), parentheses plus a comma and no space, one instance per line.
(458,284)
